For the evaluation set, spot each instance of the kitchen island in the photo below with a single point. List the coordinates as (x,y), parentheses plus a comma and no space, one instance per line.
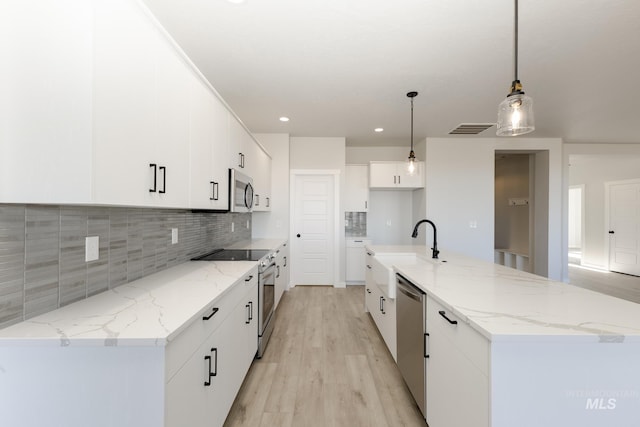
(507,348)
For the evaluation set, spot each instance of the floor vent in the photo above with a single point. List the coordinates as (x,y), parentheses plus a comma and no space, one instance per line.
(470,128)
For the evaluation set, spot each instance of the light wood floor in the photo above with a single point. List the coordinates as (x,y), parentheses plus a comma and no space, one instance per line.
(325,365)
(615,284)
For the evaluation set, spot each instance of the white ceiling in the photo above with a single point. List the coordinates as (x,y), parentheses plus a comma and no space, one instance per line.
(343,67)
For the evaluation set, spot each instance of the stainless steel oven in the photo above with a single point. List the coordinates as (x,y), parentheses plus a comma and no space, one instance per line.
(266,301)
(240,192)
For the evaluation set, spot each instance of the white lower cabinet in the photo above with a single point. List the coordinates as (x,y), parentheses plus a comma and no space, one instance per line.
(282,272)
(457,373)
(203,389)
(382,310)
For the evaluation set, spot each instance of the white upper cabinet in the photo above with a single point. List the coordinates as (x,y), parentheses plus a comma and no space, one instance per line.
(261,180)
(395,175)
(141,122)
(209,142)
(241,148)
(45,107)
(356,188)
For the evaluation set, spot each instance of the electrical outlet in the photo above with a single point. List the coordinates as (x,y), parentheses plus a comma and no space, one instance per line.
(473,224)
(233,227)
(91,248)
(174,236)
(388,223)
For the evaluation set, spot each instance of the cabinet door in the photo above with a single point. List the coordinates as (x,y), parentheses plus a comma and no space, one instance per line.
(46,107)
(411,181)
(240,147)
(208,139)
(282,274)
(356,188)
(140,111)
(261,179)
(456,372)
(382,175)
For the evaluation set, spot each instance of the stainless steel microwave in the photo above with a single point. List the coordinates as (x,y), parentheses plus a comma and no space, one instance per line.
(240,192)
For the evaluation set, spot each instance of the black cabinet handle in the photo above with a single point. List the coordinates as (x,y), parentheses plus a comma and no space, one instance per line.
(368,290)
(394,179)
(155,176)
(164,179)
(369,253)
(241,157)
(382,305)
(207,382)
(611,232)
(257,200)
(248,279)
(215,363)
(398,179)
(214,311)
(368,266)
(267,202)
(443,314)
(250,310)
(248,314)
(285,262)
(278,271)
(214,190)
(426,335)
(365,204)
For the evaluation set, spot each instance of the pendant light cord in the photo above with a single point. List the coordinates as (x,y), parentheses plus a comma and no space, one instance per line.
(516,41)
(411,124)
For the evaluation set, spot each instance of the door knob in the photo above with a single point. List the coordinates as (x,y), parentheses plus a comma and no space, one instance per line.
(298,235)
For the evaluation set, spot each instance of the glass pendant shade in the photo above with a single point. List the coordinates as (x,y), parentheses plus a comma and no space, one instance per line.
(515,115)
(411,164)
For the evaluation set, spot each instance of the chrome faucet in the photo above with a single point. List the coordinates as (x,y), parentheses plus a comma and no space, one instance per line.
(434,249)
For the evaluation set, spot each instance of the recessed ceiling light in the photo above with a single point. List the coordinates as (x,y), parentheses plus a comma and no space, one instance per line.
(378,130)
(284,119)
(236,1)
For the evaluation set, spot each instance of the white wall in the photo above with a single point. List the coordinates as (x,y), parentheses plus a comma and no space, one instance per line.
(460,194)
(389,220)
(275,224)
(328,154)
(593,171)
(363,155)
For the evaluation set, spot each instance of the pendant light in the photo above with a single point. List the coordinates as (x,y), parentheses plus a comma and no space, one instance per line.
(411,161)
(515,113)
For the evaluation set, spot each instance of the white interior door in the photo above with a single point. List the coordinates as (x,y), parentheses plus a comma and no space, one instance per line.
(624,227)
(312,243)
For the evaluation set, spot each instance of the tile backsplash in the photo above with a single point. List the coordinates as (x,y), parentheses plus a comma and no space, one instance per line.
(42,250)
(355,224)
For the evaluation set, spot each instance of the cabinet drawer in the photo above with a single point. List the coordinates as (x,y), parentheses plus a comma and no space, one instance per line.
(188,341)
(469,342)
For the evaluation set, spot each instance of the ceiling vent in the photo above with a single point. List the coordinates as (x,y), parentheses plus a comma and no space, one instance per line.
(470,128)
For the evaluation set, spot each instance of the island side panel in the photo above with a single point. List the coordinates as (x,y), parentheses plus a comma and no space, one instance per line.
(81,386)
(587,384)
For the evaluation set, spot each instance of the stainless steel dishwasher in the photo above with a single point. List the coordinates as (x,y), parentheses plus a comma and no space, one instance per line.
(411,327)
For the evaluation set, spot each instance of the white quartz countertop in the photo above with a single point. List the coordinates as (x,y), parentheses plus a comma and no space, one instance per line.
(149,311)
(507,304)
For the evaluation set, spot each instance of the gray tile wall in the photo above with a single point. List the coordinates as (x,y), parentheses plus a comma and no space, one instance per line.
(355,224)
(42,250)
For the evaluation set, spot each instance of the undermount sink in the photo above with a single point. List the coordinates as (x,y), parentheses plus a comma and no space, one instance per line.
(383,274)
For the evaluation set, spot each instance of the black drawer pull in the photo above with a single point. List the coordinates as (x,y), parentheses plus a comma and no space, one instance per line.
(443,314)
(250,310)
(426,335)
(207,382)
(248,279)
(285,261)
(278,271)
(155,176)
(369,253)
(215,363)
(248,314)
(164,179)
(214,311)
(368,290)
(382,305)
(368,266)
(214,190)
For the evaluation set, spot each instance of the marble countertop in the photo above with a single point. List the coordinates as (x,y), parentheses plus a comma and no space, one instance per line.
(507,304)
(150,311)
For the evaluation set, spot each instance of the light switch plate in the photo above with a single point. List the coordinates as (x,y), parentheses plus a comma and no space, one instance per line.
(233,227)
(91,248)
(174,236)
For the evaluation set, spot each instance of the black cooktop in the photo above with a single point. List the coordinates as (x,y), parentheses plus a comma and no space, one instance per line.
(233,255)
